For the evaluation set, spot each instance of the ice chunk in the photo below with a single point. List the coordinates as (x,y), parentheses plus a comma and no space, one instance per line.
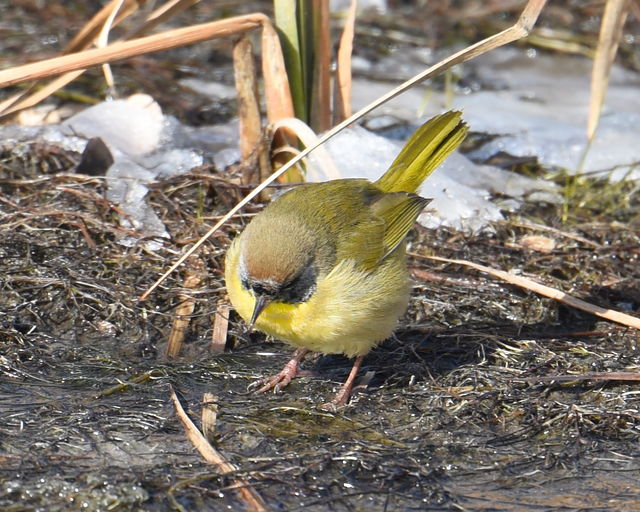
(359,153)
(132,126)
(209,139)
(136,133)
(127,188)
(171,162)
(226,157)
(537,104)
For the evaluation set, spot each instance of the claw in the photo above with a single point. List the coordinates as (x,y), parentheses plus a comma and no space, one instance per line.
(277,382)
(286,375)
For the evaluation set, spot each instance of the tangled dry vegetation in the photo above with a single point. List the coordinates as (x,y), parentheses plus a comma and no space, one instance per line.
(458,414)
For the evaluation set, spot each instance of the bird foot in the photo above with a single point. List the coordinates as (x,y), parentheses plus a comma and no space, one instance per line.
(342,397)
(275,382)
(340,400)
(286,375)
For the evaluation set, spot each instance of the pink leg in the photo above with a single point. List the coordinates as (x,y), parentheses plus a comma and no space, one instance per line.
(286,375)
(342,397)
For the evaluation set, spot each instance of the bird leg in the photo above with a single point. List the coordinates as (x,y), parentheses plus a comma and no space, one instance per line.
(342,397)
(286,375)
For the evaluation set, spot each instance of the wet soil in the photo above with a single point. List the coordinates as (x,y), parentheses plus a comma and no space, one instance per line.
(453,417)
(450,420)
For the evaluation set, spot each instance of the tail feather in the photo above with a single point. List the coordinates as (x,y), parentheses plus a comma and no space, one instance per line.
(426,150)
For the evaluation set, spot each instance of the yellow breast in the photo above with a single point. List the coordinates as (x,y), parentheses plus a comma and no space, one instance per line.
(350,311)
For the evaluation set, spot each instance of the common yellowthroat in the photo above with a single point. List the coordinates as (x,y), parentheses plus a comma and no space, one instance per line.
(323,267)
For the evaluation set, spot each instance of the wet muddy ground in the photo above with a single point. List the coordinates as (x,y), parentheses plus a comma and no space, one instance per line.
(453,418)
(449,420)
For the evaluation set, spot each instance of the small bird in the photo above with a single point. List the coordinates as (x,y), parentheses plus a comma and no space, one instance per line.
(323,267)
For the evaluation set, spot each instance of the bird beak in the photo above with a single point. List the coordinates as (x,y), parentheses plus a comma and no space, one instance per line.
(261,303)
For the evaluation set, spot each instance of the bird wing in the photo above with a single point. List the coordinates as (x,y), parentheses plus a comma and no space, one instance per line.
(399,212)
(382,229)
(364,243)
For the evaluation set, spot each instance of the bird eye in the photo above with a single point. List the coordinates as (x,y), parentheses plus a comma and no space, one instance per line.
(260,290)
(300,288)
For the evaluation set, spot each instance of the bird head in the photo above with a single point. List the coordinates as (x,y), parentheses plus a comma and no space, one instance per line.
(280,261)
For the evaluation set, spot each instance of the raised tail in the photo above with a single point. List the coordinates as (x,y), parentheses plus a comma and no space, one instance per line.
(425,150)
